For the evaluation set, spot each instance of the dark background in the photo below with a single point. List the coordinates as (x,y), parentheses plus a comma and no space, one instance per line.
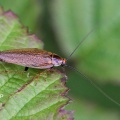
(61,24)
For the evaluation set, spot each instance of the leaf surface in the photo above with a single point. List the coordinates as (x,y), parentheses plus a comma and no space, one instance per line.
(28,95)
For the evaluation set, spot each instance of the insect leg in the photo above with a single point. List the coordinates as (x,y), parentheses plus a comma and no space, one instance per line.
(26,68)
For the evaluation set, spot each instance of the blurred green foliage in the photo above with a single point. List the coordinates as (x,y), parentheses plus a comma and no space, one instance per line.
(61,24)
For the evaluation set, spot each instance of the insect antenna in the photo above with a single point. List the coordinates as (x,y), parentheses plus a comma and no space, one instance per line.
(94,84)
(80,43)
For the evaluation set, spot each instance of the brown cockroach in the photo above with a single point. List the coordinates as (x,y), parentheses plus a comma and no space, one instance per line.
(32,57)
(41,59)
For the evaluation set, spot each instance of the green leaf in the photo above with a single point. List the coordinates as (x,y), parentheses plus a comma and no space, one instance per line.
(34,95)
(27,10)
(33,98)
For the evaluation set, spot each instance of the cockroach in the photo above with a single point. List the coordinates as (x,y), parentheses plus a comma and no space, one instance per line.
(41,59)
(32,57)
